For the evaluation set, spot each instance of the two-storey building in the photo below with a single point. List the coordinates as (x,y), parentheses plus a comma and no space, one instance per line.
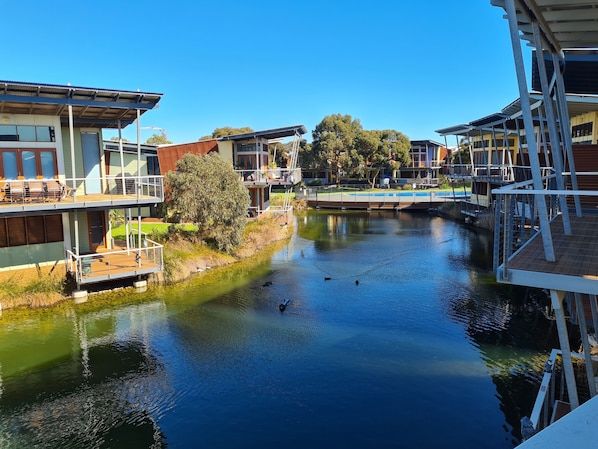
(249,154)
(56,188)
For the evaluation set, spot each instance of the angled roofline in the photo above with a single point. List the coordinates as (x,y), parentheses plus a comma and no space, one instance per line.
(95,107)
(275,133)
(426,141)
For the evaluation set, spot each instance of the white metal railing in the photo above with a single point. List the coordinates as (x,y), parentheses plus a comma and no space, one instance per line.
(517,217)
(354,195)
(552,388)
(108,264)
(54,190)
(423,164)
(491,172)
(271,175)
(552,379)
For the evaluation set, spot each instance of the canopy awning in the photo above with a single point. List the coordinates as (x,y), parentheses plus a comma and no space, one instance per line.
(563,24)
(101,108)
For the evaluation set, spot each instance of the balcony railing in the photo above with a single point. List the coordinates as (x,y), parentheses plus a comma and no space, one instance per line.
(518,220)
(552,398)
(281,176)
(70,192)
(117,263)
(504,173)
(423,164)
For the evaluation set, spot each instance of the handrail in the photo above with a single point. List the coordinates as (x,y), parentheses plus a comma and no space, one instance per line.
(80,264)
(21,191)
(547,392)
(270,175)
(517,219)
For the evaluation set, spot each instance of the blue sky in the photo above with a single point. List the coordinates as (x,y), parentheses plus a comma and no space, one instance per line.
(410,66)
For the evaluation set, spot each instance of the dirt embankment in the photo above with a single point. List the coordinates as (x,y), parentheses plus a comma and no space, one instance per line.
(43,286)
(184,258)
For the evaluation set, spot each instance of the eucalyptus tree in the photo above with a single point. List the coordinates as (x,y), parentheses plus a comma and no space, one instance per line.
(206,191)
(333,144)
(381,150)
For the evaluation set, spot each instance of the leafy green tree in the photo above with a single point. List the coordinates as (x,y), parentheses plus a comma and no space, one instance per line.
(206,191)
(333,144)
(307,158)
(386,149)
(158,139)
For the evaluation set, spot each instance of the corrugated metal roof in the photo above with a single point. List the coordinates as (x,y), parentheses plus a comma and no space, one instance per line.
(93,107)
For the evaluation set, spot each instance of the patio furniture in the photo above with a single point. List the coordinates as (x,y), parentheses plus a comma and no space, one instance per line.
(35,190)
(16,191)
(55,190)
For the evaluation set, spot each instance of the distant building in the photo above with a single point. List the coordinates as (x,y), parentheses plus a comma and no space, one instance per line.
(249,154)
(427,160)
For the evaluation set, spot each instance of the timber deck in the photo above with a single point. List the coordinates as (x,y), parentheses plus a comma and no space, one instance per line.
(576,258)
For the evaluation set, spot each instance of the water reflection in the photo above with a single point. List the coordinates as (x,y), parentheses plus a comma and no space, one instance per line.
(110,388)
(426,350)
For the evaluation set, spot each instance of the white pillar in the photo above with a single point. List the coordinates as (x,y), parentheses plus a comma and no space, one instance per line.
(529,130)
(556,298)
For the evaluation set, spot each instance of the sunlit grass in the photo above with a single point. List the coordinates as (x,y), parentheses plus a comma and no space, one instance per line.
(151,229)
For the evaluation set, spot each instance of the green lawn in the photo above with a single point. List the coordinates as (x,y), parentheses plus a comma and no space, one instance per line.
(118,233)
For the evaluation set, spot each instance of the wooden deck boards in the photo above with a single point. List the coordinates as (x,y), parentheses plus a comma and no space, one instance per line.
(576,254)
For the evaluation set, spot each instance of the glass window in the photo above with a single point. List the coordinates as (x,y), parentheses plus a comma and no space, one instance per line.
(26,133)
(9,162)
(48,164)
(28,159)
(8,133)
(45,133)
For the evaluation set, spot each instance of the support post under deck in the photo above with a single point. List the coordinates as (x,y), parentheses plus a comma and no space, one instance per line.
(556,297)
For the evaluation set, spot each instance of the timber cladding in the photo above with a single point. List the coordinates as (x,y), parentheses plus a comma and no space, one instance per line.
(169,155)
(586,160)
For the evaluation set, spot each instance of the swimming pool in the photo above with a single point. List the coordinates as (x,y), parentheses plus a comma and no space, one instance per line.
(412,193)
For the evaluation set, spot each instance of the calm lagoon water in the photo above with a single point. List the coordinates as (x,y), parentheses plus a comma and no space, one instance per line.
(426,351)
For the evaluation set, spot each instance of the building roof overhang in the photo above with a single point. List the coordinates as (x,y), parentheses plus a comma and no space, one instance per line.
(101,108)
(426,142)
(576,104)
(276,133)
(562,24)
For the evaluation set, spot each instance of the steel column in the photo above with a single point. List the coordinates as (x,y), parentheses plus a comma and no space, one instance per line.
(583,330)
(555,142)
(529,130)
(556,297)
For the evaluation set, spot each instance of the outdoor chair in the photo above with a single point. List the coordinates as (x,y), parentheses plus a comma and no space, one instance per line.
(35,190)
(55,190)
(16,191)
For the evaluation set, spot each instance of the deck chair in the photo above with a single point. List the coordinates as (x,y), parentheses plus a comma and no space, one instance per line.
(55,190)
(36,190)
(16,191)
